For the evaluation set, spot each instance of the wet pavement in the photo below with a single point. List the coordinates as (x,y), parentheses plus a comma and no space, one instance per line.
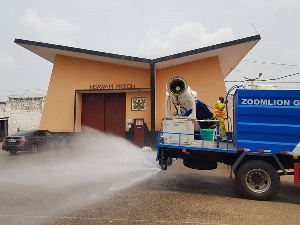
(176,196)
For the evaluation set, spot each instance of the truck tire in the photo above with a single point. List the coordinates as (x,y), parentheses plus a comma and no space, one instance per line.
(258,180)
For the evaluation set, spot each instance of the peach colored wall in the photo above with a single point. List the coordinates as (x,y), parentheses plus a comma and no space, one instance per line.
(203,76)
(70,74)
(139,114)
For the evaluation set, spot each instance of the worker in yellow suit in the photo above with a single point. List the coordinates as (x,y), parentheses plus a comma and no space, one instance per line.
(219,114)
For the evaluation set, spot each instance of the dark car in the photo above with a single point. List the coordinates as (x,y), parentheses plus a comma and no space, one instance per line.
(28,140)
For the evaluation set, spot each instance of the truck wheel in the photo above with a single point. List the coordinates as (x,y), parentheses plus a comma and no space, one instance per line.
(258,180)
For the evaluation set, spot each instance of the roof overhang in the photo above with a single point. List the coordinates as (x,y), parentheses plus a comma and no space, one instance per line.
(229,54)
(49,52)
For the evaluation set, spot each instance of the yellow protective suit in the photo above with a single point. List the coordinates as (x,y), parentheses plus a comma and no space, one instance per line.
(219,114)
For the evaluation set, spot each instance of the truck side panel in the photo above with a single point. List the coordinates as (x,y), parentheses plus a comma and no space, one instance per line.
(267,120)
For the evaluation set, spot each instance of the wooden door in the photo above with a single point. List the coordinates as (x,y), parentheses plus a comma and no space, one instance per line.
(92,114)
(115,111)
(104,112)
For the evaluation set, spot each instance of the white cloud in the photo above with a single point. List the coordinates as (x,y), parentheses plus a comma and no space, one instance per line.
(49,28)
(7,61)
(186,37)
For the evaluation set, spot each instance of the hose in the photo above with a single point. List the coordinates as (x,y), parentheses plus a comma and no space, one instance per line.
(226,103)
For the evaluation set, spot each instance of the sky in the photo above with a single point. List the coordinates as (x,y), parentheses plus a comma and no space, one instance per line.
(149,29)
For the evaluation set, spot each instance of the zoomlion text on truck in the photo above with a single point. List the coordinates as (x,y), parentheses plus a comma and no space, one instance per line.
(263,144)
(278,102)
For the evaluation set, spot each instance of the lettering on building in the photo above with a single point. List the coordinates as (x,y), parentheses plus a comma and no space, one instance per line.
(111,86)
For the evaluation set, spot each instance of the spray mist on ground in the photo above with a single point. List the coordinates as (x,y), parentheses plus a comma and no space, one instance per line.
(84,171)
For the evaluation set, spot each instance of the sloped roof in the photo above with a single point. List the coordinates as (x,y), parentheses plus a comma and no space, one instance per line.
(229,54)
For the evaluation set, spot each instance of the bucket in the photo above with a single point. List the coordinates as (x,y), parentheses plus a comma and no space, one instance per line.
(207,134)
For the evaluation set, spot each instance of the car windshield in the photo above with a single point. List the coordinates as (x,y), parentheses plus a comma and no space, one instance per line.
(23,133)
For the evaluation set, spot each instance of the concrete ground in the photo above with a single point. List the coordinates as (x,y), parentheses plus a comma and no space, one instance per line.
(176,196)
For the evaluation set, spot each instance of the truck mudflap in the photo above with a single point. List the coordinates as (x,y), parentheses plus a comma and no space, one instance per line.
(297,173)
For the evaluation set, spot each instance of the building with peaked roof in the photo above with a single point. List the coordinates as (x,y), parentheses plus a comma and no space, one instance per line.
(105,91)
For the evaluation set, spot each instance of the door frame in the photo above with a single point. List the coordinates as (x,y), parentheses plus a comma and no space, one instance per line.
(78,99)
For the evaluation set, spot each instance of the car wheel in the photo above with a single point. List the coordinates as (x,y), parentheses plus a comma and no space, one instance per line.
(258,180)
(34,148)
(12,152)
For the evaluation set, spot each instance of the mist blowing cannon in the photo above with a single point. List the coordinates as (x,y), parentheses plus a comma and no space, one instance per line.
(180,112)
(182,98)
